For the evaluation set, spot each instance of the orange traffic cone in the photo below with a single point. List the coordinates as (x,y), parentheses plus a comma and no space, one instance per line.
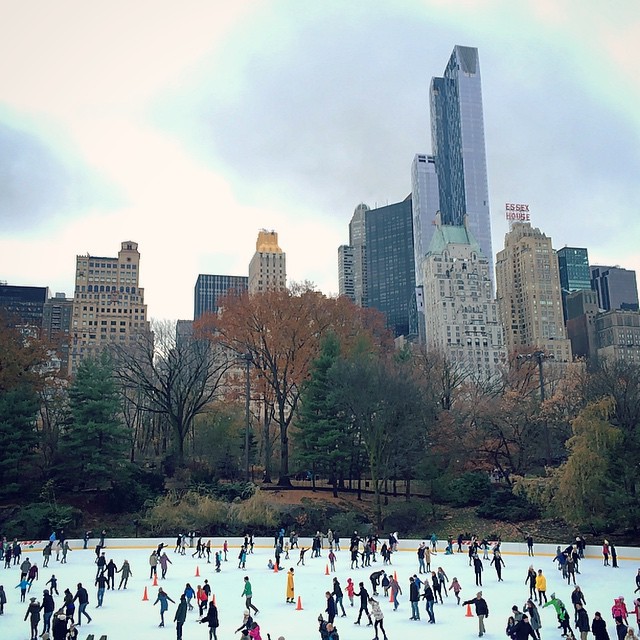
(145,595)
(197,571)
(390,595)
(155,580)
(213,597)
(395,576)
(326,570)
(275,568)
(468,614)
(299,605)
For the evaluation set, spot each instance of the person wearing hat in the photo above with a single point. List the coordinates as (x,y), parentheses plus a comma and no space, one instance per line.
(522,630)
(247,620)
(48,606)
(33,613)
(60,626)
(482,611)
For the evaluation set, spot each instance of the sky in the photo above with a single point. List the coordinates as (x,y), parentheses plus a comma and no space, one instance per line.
(189,126)
(126,609)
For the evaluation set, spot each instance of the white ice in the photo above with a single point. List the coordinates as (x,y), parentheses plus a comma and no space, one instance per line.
(126,616)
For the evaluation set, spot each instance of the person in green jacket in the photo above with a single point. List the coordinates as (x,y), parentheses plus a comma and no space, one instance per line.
(561,612)
(247,594)
(181,616)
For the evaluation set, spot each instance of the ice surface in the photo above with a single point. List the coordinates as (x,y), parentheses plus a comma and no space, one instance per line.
(126,616)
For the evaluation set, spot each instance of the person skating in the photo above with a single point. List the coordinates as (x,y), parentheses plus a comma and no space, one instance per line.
(534,616)
(531,581)
(541,586)
(375,578)
(378,618)
(577,597)
(164,561)
(414,599)
(125,570)
(599,627)
(619,609)
(164,601)
(111,574)
(363,594)
(33,614)
(430,599)
(621,628)
(47,607)
(303,550)
(331,609)
(395,590)
(22,585)
(247,594)
(212,620)
(561,612)
(478,569)
(3,600)
(189,594)
(482,611)
(498,562)
(582,621)
(350,588)
(201,598)
(337,593)
(456,588)
(101,583)
(180,616)
(523,629)
(530,545)
(291,591)
(82,596)
(60,627)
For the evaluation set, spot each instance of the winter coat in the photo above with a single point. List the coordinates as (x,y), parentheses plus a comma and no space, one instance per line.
(482,609)
(212,617)
(181,612)
(376,611)
(582,621)
(541,582)
(599,629)
(290,585)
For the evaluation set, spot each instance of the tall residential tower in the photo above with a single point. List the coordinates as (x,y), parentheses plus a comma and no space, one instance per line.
(268,267)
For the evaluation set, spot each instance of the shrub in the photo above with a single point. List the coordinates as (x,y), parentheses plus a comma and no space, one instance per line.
(502,504)
(409,517)
(469,489)
(256,514)
(38,519)
(348,522)
(130,492)
(186,512)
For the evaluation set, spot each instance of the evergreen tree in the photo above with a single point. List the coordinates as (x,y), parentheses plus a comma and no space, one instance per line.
(323,440)
(95,443)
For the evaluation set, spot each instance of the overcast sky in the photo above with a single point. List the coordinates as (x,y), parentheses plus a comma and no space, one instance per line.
(188,126)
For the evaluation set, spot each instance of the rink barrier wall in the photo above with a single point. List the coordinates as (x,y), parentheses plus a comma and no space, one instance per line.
(405,545)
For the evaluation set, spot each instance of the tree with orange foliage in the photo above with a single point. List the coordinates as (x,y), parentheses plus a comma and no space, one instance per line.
(281,332)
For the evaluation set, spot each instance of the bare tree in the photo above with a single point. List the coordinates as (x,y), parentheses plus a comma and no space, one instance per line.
(177,377)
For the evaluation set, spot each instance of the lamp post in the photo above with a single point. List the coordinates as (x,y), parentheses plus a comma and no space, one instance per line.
(247,360)
(539,356)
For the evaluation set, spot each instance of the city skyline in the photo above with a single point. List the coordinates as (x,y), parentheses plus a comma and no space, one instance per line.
(286,115)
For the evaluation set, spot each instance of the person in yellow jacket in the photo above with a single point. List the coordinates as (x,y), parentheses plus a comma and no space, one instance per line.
(290,587)
(541,586)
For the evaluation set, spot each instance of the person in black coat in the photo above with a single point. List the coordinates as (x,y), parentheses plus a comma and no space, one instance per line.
(599,628)
(523,629)
(363,594)
(60,627)
(482,611)
(478,568)
(582,619)
(212,620)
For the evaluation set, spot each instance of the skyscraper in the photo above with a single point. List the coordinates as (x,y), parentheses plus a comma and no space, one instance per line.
(462,317)
(390,267)
(345,272)
(575,275)
(528,291)
(457,135)
(210,289)
(358,242)
(23,306)
(56,326)
(268,267)
(616,288)
(108,303)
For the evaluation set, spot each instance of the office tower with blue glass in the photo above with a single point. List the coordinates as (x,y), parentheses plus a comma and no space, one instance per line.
(458,145)
(574,271)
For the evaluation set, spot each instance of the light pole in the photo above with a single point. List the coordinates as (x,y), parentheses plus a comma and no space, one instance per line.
(539,356)
(247,359)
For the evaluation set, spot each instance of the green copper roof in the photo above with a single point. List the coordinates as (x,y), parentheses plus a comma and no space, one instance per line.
(449,234)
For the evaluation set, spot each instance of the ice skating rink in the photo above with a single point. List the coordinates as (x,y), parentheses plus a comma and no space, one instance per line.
(125,615)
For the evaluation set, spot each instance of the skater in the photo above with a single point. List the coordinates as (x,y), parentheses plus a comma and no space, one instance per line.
(303,550)
(375,578)
(478,569)
(499,563)
(482,611)
(364,604)
(561,612)
(82,596)
(435,583)
(53,582)
(541,586)
(254,631)
(153,564)
(46,554)
(48,607)
(614,556)
(337,593)
(291,593)
(534,616)
(395,590)
(599,627)
(619,609)
(378,618)
(332,560)
(180,616)
(523,629)
(414,599)
(101,583)
(331,609)
(456,588)
(32,575)
(605,552)
(350,590)
(421,553)
(85,539)
(530,545)
(442,577)
(33,614)
(60,627)
(164,601)
(212,620)
(164,561)
(247,594)
(242,558)
(3,599)
(125,570)
(189,594)
(577,597)
(111,574)
(202,599)
(430,600)
(582,621)
(531,581)
(22,585)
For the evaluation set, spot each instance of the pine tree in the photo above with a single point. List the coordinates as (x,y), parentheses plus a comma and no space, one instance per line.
(94,445)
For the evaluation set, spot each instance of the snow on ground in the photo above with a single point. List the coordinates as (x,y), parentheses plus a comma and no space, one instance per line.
(126,616)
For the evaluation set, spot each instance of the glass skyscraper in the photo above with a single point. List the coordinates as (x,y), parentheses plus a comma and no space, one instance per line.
(457,135)
(575,274)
